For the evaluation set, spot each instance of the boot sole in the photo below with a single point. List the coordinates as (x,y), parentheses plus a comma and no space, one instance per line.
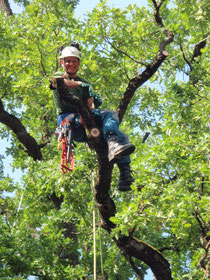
(123,187)
(115,157)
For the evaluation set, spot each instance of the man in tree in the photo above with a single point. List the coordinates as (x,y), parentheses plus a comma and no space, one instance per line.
(119,148)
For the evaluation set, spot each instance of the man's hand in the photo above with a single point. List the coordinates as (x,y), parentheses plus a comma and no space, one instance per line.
(90,88)
(90,103)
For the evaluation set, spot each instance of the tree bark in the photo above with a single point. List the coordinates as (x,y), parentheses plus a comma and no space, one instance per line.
(107,209)
(22,135)
(4,6)
(150,70)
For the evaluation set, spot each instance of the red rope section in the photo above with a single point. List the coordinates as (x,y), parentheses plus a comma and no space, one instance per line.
(65,165)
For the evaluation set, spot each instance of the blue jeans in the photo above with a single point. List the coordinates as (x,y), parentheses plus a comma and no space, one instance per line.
(107,121)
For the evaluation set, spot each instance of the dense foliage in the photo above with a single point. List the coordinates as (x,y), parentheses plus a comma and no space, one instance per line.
(46,224)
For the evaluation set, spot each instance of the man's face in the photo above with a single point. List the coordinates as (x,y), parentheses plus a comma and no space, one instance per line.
(70,65)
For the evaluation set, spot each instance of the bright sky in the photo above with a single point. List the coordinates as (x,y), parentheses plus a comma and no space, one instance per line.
(86,6)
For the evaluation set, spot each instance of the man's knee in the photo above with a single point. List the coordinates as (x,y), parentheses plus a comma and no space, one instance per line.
(111,114)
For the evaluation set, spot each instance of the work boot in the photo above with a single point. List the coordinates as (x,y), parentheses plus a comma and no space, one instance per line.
(117,150)
(125,180)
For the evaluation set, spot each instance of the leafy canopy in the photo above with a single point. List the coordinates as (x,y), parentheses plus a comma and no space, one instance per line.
(171,167)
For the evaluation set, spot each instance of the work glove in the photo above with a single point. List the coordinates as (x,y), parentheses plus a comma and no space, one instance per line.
(89,87)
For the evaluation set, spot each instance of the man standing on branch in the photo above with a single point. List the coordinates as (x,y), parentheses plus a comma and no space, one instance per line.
(119,148)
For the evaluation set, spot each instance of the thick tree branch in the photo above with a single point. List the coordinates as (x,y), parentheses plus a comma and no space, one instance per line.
(136,82)
(205,243)
(17,127)
(151,68)
(157,7)
(197,49)
(42,145)
(128,245)
(4,6)
(146,253)
(104,203)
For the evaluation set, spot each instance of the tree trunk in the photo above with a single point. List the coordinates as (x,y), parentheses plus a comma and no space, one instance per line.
(4,6)
(129,246)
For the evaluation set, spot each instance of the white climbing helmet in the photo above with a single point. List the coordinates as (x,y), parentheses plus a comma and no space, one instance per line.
(70,51)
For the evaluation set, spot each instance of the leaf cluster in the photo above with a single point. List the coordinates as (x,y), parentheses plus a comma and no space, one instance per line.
(46,219)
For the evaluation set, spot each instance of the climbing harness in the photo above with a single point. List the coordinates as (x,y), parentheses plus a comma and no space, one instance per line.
(66,137)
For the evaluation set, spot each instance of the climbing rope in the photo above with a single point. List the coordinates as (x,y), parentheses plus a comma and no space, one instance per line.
(94,235)
(193,47)
(101,252)
(66,164)
(94,230)
(19,206)
(94,245)
(65,138)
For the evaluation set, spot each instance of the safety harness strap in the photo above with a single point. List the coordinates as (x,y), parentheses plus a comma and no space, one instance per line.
(65,165)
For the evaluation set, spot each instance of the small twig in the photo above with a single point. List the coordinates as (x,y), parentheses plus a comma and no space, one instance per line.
(185,59)
(176,66)
(42,145)
(121,51)
(199,220)
(135,268)
(171,248)
(191,104)
(41,59)
(147,134)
